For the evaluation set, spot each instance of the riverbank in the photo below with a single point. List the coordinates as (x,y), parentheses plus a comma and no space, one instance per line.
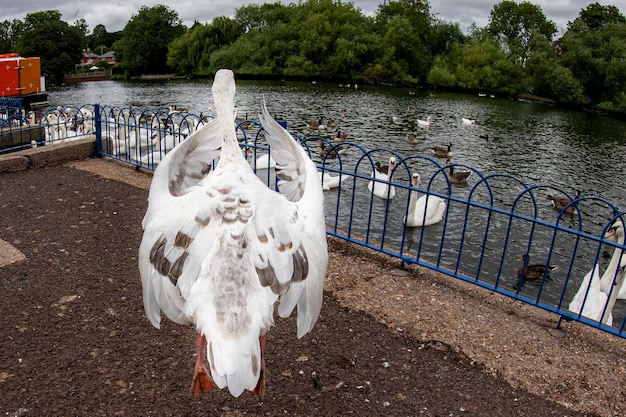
(87,76)
(158,77)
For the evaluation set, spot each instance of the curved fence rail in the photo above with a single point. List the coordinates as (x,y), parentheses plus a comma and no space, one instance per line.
(535,243)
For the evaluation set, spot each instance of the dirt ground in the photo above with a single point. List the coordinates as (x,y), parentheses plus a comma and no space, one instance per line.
(75,340)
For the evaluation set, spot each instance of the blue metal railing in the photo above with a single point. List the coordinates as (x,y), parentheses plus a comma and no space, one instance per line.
(488,224)
(48,127)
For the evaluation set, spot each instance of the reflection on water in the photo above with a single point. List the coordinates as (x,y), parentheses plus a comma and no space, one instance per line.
(530,144)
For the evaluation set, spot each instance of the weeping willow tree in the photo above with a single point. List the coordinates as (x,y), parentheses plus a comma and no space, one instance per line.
(190,53)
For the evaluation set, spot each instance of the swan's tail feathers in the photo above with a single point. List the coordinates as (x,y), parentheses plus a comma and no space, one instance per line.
(236,364)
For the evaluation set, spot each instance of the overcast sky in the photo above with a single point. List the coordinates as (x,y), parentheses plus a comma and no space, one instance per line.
(114,14)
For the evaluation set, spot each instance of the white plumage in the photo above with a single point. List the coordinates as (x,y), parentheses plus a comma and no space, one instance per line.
(220,248)
(381,187)
(590,300)
(330,181)
(467,121)
(616,233)
(424,123)
(425,210)
(596,295)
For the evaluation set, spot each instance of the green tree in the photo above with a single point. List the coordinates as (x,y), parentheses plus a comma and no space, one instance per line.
(406,28)
(483,66)
(550,78)
(98,37)
(10,33)
(144,46)
(515,25)
(594,50)
(58,44)
(596,16)
(190,53)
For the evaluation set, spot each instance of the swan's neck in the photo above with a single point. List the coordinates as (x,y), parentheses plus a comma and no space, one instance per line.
(223,96)
(606,282)
(609,274)
(412,203)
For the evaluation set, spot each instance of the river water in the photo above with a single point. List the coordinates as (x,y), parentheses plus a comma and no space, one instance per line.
(529,143)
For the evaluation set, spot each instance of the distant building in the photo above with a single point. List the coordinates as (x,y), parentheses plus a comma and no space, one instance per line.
(90,58)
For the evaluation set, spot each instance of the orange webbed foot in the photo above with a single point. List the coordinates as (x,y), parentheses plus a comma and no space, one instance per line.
(260,386)
(202,381)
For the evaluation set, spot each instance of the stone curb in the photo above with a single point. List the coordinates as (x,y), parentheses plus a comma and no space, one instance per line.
(49,155)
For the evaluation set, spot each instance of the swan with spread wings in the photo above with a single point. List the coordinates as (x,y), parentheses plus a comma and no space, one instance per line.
(220,248)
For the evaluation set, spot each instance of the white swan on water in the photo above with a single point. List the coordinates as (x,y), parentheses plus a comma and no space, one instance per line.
(615,233)
(330,181)
(426,210)
(592,298)
(381,188)
(220,248)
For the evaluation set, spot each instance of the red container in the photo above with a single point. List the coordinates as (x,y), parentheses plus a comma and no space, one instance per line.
(19,76)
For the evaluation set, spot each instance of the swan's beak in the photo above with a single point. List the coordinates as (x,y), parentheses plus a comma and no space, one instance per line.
(610,234)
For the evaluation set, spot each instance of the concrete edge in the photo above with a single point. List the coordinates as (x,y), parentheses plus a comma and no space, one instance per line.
(49,155)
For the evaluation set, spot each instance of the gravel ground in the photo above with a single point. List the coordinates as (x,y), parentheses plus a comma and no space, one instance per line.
(389,342)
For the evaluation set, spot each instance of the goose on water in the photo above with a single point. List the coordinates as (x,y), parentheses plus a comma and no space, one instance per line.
(442,151)
(412,138)
(341,136)
(457,177)
(424,123)
(532,272)
(560,202)
(317,125)
(220,248)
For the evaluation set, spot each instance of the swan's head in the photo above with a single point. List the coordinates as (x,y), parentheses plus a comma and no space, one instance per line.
(392,162)
(416,179)
(615,232)
(224,85)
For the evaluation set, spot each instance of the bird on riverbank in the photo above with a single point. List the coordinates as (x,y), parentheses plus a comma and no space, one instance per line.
(596,296)
(220,248)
